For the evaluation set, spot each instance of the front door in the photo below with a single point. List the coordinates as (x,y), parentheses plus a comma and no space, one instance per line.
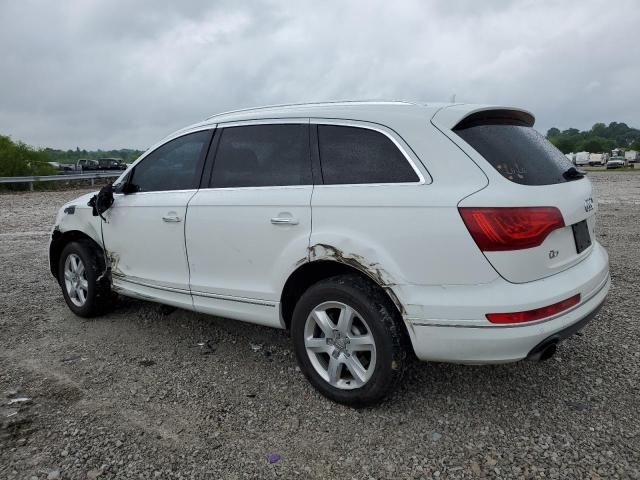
(248,230)
(144,231)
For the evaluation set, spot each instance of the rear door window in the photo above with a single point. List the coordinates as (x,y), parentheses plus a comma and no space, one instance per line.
(515,149)
(262,156)
(350,155)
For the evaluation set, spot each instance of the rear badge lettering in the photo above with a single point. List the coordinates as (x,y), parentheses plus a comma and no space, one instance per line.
(553,253)
(588,204)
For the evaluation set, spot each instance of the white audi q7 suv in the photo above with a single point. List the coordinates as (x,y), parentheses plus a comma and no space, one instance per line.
(370,230)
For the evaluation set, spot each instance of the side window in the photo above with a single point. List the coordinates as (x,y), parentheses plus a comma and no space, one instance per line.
(360,155)
(262,156)
(176,165)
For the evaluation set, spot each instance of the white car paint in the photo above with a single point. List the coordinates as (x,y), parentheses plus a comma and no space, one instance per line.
(535,263)
(145,233)
(409,238)
(252,256)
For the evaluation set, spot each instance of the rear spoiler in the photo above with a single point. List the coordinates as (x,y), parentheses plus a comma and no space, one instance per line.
(496,117)
(459,116)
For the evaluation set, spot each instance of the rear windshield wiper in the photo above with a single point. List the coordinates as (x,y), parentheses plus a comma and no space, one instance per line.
(573,174)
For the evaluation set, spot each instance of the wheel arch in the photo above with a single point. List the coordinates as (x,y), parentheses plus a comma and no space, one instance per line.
(59,240)
(312,272)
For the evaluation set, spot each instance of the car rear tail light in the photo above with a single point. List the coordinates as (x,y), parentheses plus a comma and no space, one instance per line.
(535,314)
(497,229)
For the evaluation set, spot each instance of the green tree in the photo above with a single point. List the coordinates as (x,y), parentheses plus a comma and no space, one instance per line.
(564,144)
(595,145)
(599,130)
(600,138)
(18,159)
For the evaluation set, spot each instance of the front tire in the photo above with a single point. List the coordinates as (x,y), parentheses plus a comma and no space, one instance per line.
(80,267)
(349,340)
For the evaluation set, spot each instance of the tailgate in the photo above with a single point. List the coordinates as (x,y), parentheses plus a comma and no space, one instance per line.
(524,171)
(563,247)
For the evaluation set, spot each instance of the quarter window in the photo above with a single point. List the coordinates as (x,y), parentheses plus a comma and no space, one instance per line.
(262,155)
(176,165)
(360,155)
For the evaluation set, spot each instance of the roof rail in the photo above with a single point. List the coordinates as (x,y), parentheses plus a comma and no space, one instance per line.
(331,102)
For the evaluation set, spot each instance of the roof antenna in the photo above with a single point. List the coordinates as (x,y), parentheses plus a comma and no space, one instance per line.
(453,98)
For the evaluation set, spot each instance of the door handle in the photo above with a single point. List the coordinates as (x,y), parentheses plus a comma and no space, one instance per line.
(171,218)
(284,221)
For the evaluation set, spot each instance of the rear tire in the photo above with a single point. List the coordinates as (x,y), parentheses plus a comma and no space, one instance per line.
(349,340)
(80,266)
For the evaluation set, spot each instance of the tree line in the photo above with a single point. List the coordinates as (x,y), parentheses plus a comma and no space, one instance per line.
(19,159)
(599,139)
(127,155)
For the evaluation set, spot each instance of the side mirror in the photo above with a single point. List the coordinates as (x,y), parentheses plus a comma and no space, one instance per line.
(126,187)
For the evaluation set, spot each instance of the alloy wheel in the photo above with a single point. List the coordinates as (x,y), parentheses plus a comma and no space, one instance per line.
(75,280)
(340,345)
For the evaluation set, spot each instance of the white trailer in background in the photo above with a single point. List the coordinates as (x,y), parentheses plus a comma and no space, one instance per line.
(595,159)
(582,158)
(571,156)
(598,159)
(632,156)
(617,152)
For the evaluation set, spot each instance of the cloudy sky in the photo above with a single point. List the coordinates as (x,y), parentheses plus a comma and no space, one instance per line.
(117,73)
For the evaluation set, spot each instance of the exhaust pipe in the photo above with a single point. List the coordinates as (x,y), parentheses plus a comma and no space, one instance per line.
(548,352)
(543,351)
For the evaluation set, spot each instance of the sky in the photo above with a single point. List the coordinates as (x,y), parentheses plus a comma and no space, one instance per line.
(123,74)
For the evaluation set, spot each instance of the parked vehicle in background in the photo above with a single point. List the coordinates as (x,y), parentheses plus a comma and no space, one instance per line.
(616,162)
(87,164)
(111,164)
(595,159)
(617,152)
(63,167)
(632,156)
(571,157)
(582,158)
(598,159)
(370,230)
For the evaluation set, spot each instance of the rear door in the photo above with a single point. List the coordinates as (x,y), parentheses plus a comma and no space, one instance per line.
(249,226)
(524,171)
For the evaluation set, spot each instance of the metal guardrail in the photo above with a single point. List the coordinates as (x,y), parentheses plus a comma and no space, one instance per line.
(60,178)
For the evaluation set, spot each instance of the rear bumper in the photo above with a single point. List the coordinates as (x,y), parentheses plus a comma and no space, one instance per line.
(448,323)
(538,351)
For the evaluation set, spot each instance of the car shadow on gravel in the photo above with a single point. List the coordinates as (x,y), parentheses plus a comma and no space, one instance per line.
(253,348)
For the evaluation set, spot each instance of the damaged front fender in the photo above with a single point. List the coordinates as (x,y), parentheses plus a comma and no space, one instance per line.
(74,221)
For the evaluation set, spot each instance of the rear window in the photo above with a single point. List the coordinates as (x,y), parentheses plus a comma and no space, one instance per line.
(351,155)
(263,156)
(517,151)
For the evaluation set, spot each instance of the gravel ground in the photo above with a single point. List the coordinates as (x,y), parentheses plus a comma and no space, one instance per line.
(148,393)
